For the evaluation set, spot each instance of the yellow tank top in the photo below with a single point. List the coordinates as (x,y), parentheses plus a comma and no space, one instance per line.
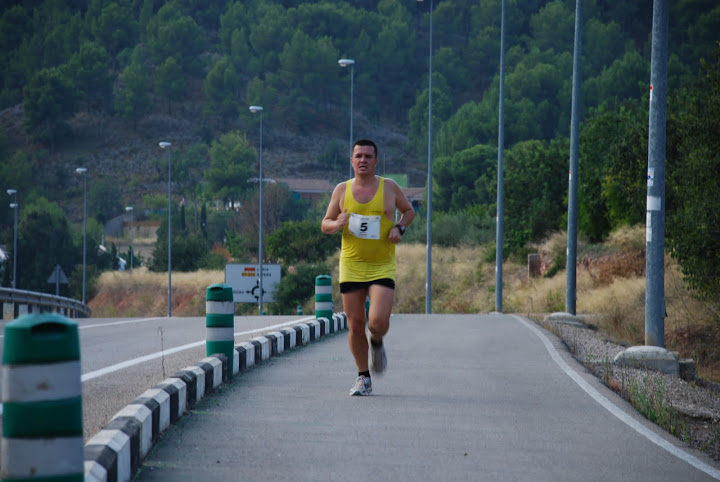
(366,253)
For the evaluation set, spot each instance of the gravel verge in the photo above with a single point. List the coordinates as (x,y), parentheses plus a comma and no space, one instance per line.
(689,409)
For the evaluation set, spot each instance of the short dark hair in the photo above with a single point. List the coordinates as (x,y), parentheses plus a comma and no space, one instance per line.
(366,142)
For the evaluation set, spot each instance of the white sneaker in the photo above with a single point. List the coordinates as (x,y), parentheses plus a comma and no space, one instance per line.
(378,360)
(363,386)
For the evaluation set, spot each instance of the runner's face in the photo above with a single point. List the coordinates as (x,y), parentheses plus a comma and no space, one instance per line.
(363,160)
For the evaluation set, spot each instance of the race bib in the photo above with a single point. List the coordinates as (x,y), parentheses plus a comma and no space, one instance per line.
(365,227)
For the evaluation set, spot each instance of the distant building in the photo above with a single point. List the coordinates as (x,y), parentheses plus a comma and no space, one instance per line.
(315,189)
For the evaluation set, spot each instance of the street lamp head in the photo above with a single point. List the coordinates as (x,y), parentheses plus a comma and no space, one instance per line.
(255,108)
(11,191)
(128,208)
(164,144)
(345,62)
(81,170)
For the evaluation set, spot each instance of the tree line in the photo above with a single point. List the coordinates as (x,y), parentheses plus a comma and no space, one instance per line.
(128,59)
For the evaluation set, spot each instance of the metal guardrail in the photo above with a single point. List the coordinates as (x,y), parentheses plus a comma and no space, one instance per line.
(33,302)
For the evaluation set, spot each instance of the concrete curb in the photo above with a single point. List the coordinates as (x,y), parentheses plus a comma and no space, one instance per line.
(115,453)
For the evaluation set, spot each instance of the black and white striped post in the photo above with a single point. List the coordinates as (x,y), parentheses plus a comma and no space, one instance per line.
(220,321)
(42,436)
(323,297)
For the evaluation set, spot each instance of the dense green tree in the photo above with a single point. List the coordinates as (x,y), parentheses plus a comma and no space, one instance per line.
(298,53)
(693,181)
(455,177)
(625,78)
(297,287)
(189,251)
(115,27)
(300,242)
(132,98)
(221,89)
(260,93)
(41,221)
(182,39)
(170,82)
(442,108)
(393,56)
(535,190)
(553,27)
(267,36)
(602,44)
(16,172)
(470,125)
(90,70)
(188,167)
(104,199)
(15,26)
(603,137)
(50,99)
(231,166)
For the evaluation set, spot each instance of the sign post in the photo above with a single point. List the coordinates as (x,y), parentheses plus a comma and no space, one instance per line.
(245,282)
(57,277)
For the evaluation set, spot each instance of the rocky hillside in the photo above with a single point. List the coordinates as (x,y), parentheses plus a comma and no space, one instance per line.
(113,147)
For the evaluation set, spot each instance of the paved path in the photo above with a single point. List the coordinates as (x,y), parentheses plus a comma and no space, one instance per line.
(475,397)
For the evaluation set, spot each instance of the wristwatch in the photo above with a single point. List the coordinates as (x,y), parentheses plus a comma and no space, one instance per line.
(401,228)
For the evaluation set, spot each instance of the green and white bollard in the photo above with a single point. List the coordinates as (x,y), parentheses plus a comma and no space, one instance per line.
(42,436)
(323,298)
(299,310)
(220,321)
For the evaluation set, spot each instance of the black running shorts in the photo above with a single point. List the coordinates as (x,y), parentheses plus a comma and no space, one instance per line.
(349,286)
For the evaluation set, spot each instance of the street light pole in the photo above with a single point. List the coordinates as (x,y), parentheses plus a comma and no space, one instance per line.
(14,205)
(428,267)
(351,63)
(132,234)
(254,109)
(83,171)
(166,145)
(499,225)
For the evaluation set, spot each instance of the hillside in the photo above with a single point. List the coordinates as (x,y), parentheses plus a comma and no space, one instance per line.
(109,146)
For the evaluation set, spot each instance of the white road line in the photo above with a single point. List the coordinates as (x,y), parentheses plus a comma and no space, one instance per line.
(101,325)
(615,410)
(152,356)
(124,322)
(136,361)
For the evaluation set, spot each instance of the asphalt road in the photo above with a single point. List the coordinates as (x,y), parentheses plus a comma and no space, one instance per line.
(123,357)
(469,397)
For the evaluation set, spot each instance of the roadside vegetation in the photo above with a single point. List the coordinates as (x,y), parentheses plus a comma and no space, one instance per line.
(610,291)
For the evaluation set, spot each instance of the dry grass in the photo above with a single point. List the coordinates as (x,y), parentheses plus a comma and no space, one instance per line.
(610,292)
(144,293)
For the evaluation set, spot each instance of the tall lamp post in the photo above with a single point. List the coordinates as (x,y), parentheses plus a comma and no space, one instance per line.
(428,267)
(14,205)
(132,234)
(83,171)
(255,109)
(500,172)
(351,63)
(166,145)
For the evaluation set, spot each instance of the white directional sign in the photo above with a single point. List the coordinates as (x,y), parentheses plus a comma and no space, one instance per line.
(245,283)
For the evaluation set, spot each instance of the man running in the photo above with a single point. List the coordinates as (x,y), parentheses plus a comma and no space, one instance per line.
(364,209)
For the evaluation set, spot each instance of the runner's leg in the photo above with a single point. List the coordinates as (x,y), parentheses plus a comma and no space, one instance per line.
(381,303)
(354,305)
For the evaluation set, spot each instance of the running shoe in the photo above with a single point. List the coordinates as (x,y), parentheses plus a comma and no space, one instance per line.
(363,386)
(378,360)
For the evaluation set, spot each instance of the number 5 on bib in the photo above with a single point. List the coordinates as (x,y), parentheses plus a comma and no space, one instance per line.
(365,227)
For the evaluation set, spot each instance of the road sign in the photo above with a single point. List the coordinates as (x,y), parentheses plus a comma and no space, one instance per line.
(245,283)
(58,277)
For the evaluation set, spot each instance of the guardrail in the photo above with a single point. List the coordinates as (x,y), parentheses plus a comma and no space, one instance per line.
(24,302)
